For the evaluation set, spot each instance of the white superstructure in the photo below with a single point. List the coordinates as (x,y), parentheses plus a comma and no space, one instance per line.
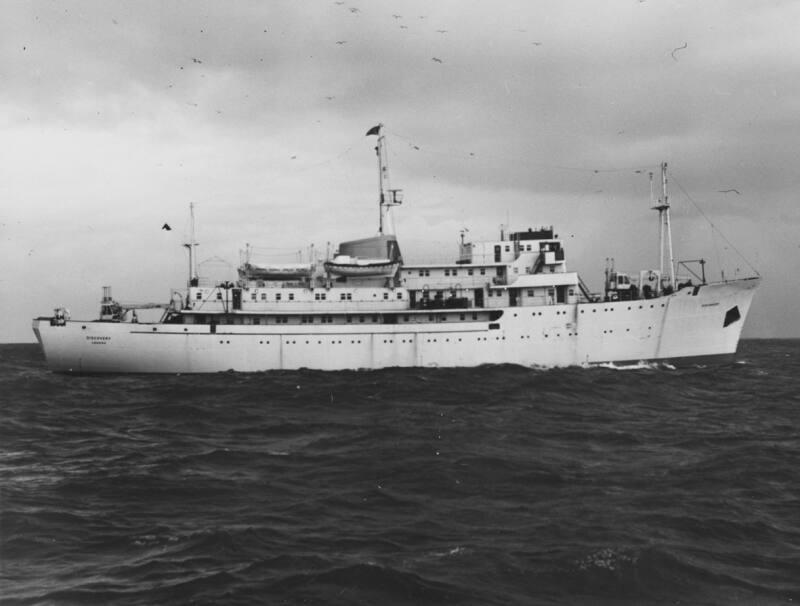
(512,300)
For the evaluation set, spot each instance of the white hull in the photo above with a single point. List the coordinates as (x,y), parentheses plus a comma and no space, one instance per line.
(682,325)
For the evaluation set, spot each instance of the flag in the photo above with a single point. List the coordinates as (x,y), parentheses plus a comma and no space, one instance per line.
(375,130)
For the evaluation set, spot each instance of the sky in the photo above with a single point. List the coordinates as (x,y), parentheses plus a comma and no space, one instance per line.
(116,116)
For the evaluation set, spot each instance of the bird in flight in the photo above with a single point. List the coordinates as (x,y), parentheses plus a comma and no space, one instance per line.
(727,191)
(436,59)
(166,227)
(341,42)
(675,50)
(196,60)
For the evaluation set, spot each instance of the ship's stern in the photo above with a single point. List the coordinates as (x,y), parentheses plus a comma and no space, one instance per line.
(35,326)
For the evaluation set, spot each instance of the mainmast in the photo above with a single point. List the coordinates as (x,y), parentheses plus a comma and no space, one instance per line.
(664,228)
(190,245)
(387,197)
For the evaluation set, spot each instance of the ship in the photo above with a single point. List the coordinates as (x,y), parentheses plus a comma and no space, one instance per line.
(510,300)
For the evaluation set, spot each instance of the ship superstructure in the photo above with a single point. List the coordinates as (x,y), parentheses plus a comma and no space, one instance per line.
(510,300)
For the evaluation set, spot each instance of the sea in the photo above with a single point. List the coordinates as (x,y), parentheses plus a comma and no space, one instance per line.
(497,485)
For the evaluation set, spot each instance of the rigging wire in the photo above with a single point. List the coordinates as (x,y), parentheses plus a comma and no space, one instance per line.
(713,227)
(471,155)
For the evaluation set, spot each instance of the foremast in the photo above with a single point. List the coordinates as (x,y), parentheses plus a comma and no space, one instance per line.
(664,228)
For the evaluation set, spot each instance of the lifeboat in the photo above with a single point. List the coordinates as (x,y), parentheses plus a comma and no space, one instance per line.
(345,265)
(276,271)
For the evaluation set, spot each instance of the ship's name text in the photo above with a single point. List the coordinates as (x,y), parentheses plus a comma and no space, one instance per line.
(98,340)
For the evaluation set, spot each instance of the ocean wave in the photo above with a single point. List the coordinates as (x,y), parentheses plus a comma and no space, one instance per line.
(493,485)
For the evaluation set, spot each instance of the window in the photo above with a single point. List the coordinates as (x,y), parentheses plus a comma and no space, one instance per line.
(421,272)
(316,296)
(446,272)
(291,296)
(278,296)
(342,297)
(508,248)
(360,318)
(483,271)
(530,292)
(462,316)
(253,296)
(470,272)
(374,318)
(349,296)
(199,295)
(385,295)
(263,296)
(219,296)
(349,319)
(256,320)
(399,295)
(455,272)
